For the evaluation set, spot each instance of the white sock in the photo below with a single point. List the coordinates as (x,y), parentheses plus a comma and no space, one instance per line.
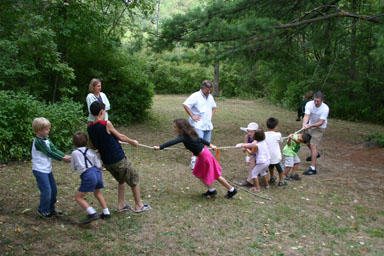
(211,189)
(231,190)
(91,210)
(313,168)
(106,211)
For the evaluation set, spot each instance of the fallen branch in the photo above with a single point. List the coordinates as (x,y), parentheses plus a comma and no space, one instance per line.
(246,190)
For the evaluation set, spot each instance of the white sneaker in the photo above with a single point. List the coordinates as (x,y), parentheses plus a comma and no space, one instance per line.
(193,162)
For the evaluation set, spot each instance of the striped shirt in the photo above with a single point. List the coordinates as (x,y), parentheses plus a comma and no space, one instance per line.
(42,153)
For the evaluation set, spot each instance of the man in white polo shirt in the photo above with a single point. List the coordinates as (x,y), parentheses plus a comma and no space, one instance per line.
(201,107)
(315,121)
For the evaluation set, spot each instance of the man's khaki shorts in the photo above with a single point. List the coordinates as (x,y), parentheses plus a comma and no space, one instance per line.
(316,134)
(124,171)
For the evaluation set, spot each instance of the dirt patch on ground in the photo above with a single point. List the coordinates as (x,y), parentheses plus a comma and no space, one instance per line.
(353,165)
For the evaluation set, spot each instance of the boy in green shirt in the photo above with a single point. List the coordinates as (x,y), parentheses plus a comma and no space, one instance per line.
(43,151)
(290,151)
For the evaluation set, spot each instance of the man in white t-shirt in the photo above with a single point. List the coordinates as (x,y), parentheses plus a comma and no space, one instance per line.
(315,121)
(201,107)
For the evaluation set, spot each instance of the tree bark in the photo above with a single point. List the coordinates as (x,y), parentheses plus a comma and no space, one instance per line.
(352,70)
(216,91)
(157,18)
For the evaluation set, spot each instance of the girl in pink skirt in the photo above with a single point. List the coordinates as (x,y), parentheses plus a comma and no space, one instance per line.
(207,169)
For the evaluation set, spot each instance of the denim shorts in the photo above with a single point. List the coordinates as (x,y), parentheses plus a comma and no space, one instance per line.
(91,179)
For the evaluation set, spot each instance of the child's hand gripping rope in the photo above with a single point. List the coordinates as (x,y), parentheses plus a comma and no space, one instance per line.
(303,128)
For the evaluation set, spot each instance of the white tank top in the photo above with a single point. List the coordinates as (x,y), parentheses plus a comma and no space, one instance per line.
(262,154)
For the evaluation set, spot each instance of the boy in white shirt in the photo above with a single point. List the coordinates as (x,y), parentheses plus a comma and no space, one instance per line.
(274,139)
(87,164)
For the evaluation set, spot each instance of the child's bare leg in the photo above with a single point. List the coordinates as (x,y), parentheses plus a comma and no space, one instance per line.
(224,182)
(265,177)
(271,172)
(79,197)
(281,177)
(120,196)
(256,183)
(252,165)
(100,198)
(136,194)
(287,170)
(295,166)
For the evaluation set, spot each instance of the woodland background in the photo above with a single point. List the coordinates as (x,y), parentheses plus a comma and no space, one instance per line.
(275,50)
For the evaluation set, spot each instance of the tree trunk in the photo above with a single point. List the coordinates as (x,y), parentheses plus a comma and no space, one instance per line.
(352,69)
(216,91)
(55,88)
(157,18)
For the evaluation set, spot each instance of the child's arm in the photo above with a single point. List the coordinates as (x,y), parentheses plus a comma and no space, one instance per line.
(245,141)
(245,145)
(289,139)
(213,147)
(169,143)
(95,159)
(91,146)
(120,136)
(75,160)
(254,149)
(51,151)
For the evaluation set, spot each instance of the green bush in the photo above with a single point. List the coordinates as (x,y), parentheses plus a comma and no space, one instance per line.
(130,93)
(176,77)
(378,138)
(16,115)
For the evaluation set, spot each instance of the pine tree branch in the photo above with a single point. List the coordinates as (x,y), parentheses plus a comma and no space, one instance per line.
(330,16)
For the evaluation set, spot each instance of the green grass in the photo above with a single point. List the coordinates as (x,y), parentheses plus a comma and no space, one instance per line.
(337,212)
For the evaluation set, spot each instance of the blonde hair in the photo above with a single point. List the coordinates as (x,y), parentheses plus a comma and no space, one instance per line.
(40,123)
(92,84)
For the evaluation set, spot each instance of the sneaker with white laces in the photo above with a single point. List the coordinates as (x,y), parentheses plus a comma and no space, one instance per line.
(57,213)
(44,215)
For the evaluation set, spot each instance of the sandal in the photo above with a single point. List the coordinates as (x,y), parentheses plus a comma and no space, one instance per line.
(245,183)
(145,207)
(127,207)
(254,189)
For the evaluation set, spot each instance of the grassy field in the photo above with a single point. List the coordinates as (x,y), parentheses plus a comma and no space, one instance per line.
(337,212)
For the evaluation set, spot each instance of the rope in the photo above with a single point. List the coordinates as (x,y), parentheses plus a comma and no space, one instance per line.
(151,147)
(303,128)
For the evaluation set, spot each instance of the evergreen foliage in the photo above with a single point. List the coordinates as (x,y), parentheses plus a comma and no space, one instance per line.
(280,49)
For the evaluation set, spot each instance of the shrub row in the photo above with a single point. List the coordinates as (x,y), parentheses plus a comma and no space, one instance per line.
(16,115)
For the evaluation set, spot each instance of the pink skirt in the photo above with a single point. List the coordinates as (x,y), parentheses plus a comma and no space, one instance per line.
(206,167)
